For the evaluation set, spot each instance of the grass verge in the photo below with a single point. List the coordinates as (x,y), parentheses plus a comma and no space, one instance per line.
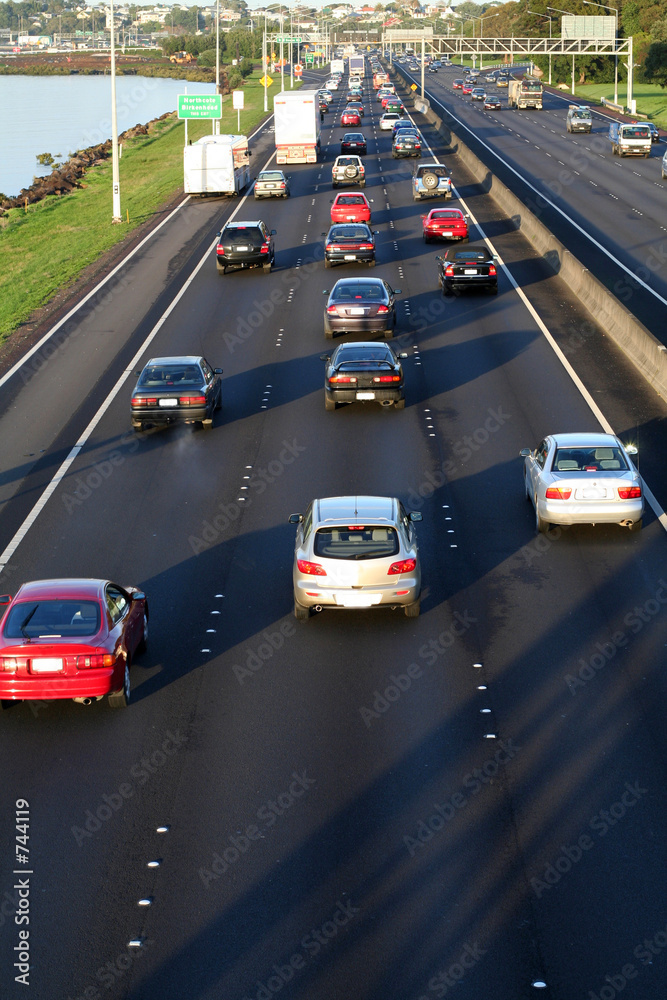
(45,248)
(651,99)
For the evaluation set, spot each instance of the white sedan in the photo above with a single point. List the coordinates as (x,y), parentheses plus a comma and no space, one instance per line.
(388,120)
(583,479)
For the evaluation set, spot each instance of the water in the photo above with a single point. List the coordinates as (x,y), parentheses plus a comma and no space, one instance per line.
(60,114)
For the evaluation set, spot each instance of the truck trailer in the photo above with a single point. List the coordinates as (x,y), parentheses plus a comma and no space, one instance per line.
(525,93)
(297,126)
(216,164)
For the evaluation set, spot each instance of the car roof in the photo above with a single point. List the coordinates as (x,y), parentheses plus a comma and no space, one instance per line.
(181,359)
(596,439)
(342,282)
(63,589)
(354,508)
(243,223)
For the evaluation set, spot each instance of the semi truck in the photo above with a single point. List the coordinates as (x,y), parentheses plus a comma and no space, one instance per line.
(525,93)
(216,164)
(630,139)
(357,66)
(297,126)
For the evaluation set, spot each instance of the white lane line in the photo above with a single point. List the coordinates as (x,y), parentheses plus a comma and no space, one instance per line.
(74,451)
(595,409)
(19,364)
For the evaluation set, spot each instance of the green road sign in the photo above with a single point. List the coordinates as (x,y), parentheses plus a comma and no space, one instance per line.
(286,40)
(200,106)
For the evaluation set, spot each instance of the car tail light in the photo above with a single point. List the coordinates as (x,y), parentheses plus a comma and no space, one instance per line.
(629,492)
(310,568)
(265,247)
(387,378)
(332,310)
(192,400)
(220,250)
(282,184)
(558,493)
(13,663)
(406,566)
(382,310)
(144,401)
(365,246)
(338,379)
(95,660)
(492,269)
(330,247)
(449,271)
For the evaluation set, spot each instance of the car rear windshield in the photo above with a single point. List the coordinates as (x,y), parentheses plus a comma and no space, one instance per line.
(589,460)
(444,214)
(346,293)
(242,234)
(169,375)
(437,170)
(357,541)
(350,233)
(52,620)
(474,256)
(350,199)
(270,175)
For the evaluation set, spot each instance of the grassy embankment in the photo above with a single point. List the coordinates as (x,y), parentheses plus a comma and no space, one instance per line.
(651,99)
(44,249)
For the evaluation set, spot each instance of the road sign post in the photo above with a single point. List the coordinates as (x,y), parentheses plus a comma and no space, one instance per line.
(237,104)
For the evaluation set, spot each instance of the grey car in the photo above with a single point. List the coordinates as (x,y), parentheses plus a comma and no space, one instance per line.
(271,184)
(356,552)
(583,479)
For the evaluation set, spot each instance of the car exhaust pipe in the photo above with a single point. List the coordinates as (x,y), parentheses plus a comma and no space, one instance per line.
(318,608)
(387,402)
(84,701)
(627,523)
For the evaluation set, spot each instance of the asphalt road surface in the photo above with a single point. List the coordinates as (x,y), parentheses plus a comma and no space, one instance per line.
(366,805)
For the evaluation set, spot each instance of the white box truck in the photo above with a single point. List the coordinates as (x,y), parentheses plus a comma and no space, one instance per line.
(357,66)
(297,126)
(337,66)
(630,139)
(216,164)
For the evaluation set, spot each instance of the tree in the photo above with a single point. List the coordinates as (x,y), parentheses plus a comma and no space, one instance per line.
(655,67)
(630,16)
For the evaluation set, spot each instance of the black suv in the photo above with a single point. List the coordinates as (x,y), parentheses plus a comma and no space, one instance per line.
(245,244)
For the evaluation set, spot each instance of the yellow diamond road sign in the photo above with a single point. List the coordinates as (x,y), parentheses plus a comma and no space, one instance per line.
(413,86)
(266,81)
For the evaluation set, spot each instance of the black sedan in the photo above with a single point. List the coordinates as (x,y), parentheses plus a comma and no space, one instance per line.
(245,244)
(349,241)
(363,372)
(467,267)
(406,144)
(353,142)
(176,390)
(491,103)
(653,129)
(361,305)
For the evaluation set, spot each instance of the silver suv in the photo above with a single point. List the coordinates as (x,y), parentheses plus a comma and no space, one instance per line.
(348,169)
(431,180)
(579,118)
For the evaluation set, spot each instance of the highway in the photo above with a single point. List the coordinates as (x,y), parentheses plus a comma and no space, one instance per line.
(610,211)
(471,802)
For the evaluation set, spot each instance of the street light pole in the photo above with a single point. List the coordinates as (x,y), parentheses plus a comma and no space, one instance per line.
(216,121)
(569,14)
(615,9)
(115,171)
(537,14)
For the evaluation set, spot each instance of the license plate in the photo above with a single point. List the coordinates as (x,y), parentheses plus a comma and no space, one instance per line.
(593,493)
(350,256)
(357,600)
(470,270)
(270,185)
(46,664)
(168,402)
(357,312)
(365,395)
(241,249)
(448,234)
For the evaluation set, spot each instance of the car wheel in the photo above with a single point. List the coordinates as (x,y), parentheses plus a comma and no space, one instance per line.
(526,491)
(218,404)
(327,263)
(399,404)
(430,181)
(427,239)
(221,268)
(329,403)
(137,426)
(637,525)
(362,184)
(6,704)
(389,334)
(412,610)
(303,614)
(446,290)
(541,526)
(207,423)
(121,699)
(371,263)
(334,184)
(492,289)
(143,642)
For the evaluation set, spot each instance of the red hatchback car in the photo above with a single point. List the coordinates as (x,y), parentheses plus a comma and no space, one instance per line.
(467,88)
(445,224)
(350,118)
(71,638)
(350,208)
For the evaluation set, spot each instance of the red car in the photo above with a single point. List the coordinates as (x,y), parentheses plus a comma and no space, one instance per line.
(350,208)
(467,88)
(458,85)
(71,638)
(389,99)
(350,118)
(445,224)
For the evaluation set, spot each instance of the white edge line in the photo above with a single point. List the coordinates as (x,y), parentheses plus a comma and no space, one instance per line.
(36,347)
(62,471)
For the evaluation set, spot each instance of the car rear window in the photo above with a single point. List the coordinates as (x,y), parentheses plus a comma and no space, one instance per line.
(166,375)
(348,292)
(243,234)
(589,460)
(437,170)
(52,619)
(270,175)
(350,199)
(357,541)
(478,256)
(350,233)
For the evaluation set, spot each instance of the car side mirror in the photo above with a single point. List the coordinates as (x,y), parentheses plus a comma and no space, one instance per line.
(273,232)
(295,518)
(248,152)
(217,371)
(138,595)
(415,515)
(403,354)
(5,599)
(325,357)
(632,449)
(525,453)
(137,373)
(218,235)
(397,291)
(323,234)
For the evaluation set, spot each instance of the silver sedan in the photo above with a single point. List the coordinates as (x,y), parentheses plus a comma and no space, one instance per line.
(583,479)
(356,552)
